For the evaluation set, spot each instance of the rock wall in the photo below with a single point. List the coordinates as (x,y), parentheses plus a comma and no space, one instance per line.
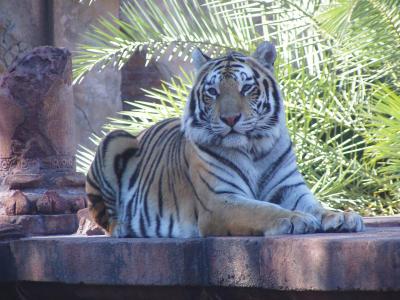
(97,97)
(22,27)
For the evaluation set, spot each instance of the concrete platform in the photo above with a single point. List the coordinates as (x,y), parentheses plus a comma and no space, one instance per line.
(316,266)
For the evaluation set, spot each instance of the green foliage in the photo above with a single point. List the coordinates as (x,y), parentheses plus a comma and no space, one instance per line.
(328,75)
(384,136)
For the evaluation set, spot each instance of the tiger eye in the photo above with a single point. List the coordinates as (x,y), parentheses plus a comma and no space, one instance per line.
(212,92)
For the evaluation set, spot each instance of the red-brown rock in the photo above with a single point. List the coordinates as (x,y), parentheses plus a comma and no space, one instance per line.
(71,180)
(43,224)
(52,203)
(37,142)
(17,204)
(20,181)
(37,133)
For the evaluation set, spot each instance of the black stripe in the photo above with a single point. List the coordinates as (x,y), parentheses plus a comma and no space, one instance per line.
(170,226)
(298,199)
(149,134)
(94,199)
(97,171)
(262,155)
(207,184)
(151,150)
(226,181)
(196,214)
(192,103)
(92,183)
(229,164)
(236,66)
(270,172)
(239,59)
(278,196)
(276,97)
(121,160)
(213,190)
(171,187)
(158,234)
(129,214)
(195,193)
(145,184)
(143,231)
(256,74)
(285,177)
(215,165)
(160,197)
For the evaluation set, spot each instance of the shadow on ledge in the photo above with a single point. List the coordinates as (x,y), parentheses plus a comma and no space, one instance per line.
(51,291)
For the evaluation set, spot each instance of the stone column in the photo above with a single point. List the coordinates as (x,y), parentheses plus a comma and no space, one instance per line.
(97,97)
(39,189)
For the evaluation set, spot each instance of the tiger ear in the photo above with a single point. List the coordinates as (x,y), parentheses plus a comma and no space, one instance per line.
(199,58)
(266,54)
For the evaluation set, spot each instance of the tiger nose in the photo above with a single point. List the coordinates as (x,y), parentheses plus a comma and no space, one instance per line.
(231,120)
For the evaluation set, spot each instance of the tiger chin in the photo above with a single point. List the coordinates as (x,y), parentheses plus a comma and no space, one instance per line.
(226,168)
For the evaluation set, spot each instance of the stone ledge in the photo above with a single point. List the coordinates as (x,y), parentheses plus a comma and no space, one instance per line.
(368,261)
(44,224)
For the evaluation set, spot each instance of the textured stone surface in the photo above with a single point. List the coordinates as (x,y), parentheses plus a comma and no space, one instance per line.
(52,203)
(136,76)
(20,181)
(71,180)
(37,148)
(97,97)
(384,221)
(22,27)
(368,261)
(10,231)
(36,129)
(43,224)
(51,291)
(17,204)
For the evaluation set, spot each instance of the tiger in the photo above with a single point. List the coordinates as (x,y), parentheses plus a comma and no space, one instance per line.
(225,168)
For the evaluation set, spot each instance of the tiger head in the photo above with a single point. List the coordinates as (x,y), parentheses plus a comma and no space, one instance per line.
(235,101)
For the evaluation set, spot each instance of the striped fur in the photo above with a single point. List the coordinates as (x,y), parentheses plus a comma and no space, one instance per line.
(226,168)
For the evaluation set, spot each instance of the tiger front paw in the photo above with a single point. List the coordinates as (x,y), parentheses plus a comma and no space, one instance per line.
(297,223)
(337,221)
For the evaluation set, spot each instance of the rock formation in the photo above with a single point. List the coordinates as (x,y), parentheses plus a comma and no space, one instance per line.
(37,145)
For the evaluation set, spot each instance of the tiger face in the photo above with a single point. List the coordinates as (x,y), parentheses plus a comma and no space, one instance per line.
(235,100)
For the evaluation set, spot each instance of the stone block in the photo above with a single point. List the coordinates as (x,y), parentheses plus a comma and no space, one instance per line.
(22,27)
(43,224)
(20,181)
(367,261)
(17,204)
(38,135)
(71,180)
(37,148)
(52,203)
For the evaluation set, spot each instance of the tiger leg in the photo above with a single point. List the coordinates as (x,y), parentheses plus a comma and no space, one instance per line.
(239,216)
(331,221)
(104,176)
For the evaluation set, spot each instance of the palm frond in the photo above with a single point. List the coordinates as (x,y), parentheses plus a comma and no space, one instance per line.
(173,30)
